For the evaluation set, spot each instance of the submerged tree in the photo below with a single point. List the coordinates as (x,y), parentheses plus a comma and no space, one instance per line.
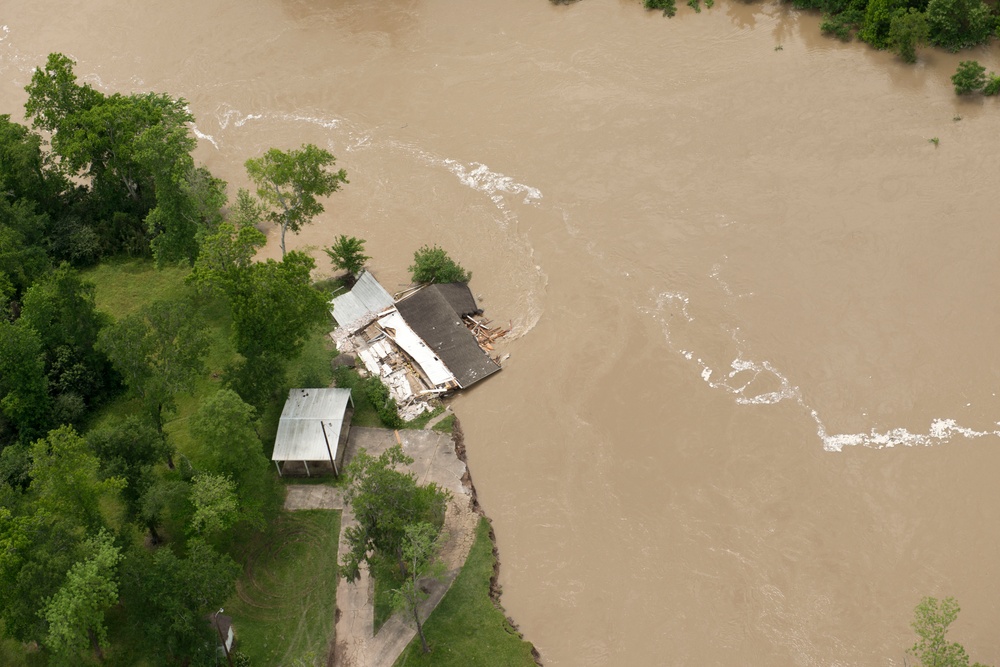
(289,183)
(433,265)
(931,620)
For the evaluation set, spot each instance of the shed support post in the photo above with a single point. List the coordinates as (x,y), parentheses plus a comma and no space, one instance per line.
(306,464)
(279,469)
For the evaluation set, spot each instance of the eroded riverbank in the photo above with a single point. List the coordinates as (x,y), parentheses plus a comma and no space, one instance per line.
(717,256)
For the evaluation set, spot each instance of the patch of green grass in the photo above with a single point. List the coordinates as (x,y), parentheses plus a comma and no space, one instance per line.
(125,285)
(364,412)
(446,425)
(467,628)
(285,603)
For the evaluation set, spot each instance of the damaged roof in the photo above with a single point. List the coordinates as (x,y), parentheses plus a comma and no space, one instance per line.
(435,314)
(362,304)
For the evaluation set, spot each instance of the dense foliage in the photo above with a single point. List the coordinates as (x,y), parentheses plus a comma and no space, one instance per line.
(107,547)
(433,265)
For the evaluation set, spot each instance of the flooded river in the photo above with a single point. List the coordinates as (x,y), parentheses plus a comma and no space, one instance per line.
(750,412)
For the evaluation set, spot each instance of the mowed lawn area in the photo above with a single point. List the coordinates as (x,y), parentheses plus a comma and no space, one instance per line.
(467,628)
(285,602)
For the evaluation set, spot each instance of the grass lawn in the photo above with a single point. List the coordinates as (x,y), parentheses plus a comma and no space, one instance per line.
(283,611)
(466,628)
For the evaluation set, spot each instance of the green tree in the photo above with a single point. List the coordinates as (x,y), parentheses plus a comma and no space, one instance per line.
(134,151)
(433,265)
(992,86)
(130,449)
(908,29)
(385,501)
(959,24)
(420,544)
(22,254)
(348,254)
(225,429)
(289,182)
(876,25)
(75,614)
(159,352)
(61,308)
(24,396)
(969,77)
(167,599)
(66,484)
(931,620)
(215,505)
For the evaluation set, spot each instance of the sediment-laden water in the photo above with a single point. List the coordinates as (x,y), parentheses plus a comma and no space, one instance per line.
(750,414)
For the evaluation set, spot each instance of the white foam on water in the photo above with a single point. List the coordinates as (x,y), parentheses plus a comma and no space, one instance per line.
(201,135)
(744,374)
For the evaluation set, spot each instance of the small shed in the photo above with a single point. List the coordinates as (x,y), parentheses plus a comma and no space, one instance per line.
(313,428)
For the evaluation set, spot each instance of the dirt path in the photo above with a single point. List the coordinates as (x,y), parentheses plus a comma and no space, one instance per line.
(434,460)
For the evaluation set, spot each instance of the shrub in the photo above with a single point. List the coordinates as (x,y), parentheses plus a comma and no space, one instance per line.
(432,265)
(669,7)
(969,77)
(993,85)
(385,405)
(837,27)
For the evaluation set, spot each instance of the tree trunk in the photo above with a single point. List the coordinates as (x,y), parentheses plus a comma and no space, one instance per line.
(420,628)
(96,645)
(284,227)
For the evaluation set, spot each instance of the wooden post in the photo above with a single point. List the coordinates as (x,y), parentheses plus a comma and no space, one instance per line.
(279,469)
(326,439)
(306,464)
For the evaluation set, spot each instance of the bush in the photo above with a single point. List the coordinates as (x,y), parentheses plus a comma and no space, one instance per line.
(669,7)
(432,265)
(837,27)
(969,77)
(384,404)
(993,85)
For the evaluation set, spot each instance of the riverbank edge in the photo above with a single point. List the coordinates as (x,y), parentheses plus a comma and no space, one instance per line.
(496,590)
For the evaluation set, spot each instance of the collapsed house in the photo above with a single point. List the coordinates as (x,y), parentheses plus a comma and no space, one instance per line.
(426,344)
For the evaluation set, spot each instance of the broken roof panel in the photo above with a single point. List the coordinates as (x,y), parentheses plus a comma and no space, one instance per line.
(362,304)
(458,296)
(432,317)
(310,422)
(408,340)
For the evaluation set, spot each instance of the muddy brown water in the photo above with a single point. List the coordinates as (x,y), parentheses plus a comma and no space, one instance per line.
(749,413)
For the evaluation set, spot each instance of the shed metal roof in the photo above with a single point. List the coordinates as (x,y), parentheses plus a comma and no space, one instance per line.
(431,315)
(311,419)
(362,304)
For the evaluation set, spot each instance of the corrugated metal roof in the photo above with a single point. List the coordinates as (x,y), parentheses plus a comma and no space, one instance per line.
(362,304)
(306,414)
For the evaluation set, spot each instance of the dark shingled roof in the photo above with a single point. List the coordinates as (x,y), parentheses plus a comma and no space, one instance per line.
(434,314)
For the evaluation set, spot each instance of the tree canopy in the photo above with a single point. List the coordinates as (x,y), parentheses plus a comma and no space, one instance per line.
(290,182)
(433,265)
(385,501)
